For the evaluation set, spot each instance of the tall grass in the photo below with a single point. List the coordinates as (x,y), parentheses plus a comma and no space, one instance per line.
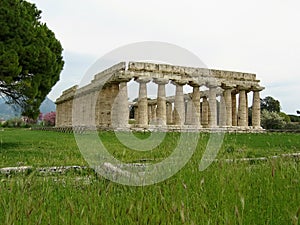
(266,192)
(262,193)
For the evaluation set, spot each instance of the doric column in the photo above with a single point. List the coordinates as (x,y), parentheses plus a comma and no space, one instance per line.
(102,106)
(143,102)
(256,108)
(196,115)
(70,104)
(179,104)
(234,110)
(150,121)
(212,106)
(247,112)
(222,111)
(87,109)
(136,114)
(169,113)
(113,92)
(65,108)
(228,105)
(189,112)
(204,113)
(161,112)
(242,121)
(93,97)
(120,112)
(153,112)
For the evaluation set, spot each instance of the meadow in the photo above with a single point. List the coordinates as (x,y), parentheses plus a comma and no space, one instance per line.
(250,192)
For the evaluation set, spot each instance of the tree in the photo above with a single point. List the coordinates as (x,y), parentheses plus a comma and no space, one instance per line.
(49,118)
(270,104)
(294,118)
(285,117)
(30,56)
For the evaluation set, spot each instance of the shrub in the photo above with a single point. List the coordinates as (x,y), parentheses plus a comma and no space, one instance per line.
(16,122)
(272,120)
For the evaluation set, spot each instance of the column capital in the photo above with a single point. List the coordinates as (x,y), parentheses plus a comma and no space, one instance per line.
(227,86)
(195,83)
(213,82)
(143,79)
(160,81)
(212,85)
(257,88)
(243,88)
(179,82)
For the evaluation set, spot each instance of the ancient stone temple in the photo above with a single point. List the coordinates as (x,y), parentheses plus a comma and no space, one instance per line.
(219,99)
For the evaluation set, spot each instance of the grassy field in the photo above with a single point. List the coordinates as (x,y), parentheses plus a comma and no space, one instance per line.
(263,192)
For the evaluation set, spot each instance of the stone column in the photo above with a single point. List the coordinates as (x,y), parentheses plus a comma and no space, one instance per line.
(189,112)
(75,111)
(93,96)
(113,92)
(153,112)
(150,121)
(65,108)
(179,104)
(101,106)
(204,114)
(136,114)
(143,102)
(196,115)
(222,111)
(71,111)
(242,121)
(228,105)
(234,110)
(169,113)
(87,110)
(256,108)
(161,111)
(212,105)
(120,111)
(247,113)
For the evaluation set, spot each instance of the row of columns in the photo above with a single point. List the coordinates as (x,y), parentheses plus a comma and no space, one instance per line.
(196,113)
(110,107)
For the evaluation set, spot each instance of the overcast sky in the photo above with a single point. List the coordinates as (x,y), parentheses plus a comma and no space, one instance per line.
(261,37)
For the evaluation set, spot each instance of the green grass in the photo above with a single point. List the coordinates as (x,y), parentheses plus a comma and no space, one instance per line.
(266,192)
(36,148)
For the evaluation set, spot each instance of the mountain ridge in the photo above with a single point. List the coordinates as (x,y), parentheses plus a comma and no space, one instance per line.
(11,111)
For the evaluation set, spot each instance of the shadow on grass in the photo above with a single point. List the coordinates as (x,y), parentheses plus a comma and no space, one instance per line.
(10,145)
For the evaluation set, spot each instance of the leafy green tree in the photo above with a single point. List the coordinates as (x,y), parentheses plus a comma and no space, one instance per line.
(270,104)
(30,56)
(294,118)
(285,117)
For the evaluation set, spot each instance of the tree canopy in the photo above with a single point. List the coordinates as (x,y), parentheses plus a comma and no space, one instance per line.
(30,56)
(270,104)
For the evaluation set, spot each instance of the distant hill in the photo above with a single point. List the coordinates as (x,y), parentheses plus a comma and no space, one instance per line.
(47,106)
(11,111)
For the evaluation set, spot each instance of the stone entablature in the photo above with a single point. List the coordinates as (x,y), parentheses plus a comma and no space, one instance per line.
(104,101)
